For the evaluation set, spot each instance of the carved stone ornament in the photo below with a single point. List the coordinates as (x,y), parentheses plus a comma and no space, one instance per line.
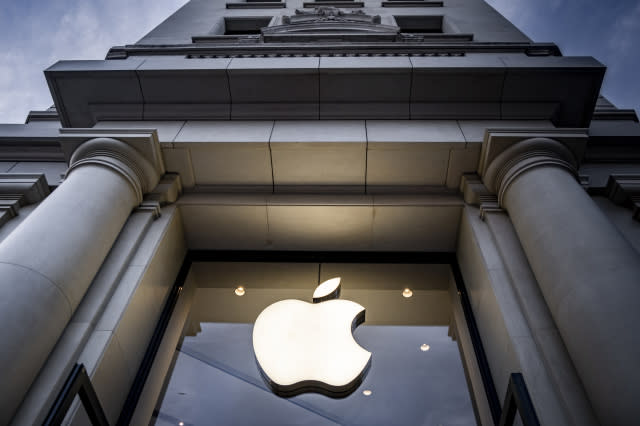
(329,14)
(326,21)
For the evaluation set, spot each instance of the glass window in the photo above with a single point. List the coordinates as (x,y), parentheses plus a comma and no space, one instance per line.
(416,375)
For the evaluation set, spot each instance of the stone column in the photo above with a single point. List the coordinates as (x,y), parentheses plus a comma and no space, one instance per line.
(48,262)
(588,273)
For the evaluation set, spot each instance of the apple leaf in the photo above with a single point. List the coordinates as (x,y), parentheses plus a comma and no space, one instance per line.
(327,290)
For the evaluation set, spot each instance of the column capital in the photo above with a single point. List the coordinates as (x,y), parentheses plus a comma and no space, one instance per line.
(523,156)
(119,157)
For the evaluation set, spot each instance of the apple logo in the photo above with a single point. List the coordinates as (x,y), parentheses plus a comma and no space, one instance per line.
(309,347)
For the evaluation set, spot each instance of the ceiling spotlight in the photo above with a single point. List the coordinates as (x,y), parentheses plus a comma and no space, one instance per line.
(239,291)
(367,392)
(407,292)
(181,424)
(424,347)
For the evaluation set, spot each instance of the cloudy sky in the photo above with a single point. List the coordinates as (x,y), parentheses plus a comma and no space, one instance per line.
(36,33)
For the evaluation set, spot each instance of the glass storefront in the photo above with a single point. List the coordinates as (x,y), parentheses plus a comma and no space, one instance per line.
(416,376)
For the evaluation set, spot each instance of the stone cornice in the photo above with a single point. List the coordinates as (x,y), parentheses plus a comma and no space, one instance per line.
(120,157)
(625,189)
(17,190)
(543,49)
(24,143)
(524,156)
(401,87)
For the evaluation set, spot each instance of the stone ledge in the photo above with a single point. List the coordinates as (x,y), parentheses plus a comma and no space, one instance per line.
(89,91)
(257,5)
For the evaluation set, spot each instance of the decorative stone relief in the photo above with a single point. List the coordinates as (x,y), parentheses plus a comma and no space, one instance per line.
(329,14)
(331,20)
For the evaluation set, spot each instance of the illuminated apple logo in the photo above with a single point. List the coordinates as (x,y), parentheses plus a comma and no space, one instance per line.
(309,347)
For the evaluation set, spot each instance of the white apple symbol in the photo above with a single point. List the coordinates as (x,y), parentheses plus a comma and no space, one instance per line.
(309,347)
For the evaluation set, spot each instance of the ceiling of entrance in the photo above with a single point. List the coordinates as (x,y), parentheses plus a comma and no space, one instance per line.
(321,222)
(377,287)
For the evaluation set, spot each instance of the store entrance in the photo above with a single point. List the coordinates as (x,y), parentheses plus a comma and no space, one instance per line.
(416,376)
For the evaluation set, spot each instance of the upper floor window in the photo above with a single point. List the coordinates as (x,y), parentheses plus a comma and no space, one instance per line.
(419,24)
(236,25)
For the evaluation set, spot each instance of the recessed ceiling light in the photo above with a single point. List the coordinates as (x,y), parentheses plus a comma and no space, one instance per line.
(367,392)
(424,347)
(181,424)
(239,291)
(407,292)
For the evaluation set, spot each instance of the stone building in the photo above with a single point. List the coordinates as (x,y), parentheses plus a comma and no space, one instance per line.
(424,146)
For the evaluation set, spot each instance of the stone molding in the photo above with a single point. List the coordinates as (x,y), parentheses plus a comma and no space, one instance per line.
(168,190)
(476,193)
(489,204)
(17,190)
(119,157)
(524,156)
(472,188)
(152,207)
(625,190)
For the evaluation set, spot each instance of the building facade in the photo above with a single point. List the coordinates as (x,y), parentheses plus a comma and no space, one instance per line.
(239,141)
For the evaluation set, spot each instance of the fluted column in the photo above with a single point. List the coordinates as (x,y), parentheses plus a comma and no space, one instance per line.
(48,262)
(588,273)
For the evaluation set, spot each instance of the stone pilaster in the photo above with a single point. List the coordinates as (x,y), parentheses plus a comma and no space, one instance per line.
(48,262)
(587,272)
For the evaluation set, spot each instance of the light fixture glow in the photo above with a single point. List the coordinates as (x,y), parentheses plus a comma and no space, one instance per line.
(301,346)
(407,292)
(239,291)
(181,424)
(367,392)
(424,347)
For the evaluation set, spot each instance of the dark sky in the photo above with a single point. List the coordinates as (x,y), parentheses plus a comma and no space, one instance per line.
(36,33)
(606,30)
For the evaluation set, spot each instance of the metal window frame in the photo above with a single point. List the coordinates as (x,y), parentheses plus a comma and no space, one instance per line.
(517,399)
(77,383)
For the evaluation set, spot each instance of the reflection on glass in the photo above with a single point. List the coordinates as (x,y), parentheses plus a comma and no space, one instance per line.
(215,380)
